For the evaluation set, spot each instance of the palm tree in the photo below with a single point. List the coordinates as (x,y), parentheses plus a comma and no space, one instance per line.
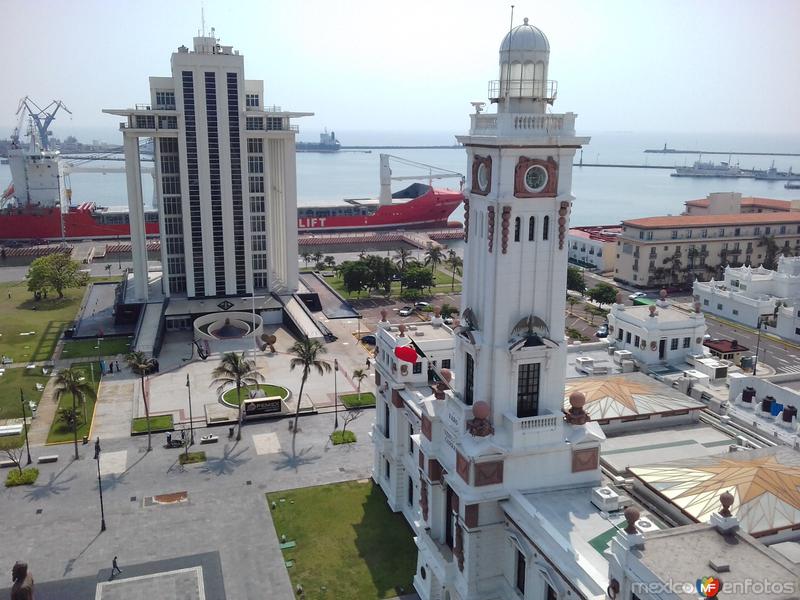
(433,257)
(306,256)
(317,256)
(455,263)
(240,371)
(307,355)
(401,258)
(330,261)
(359,375)
(73,381)
(143,366)
(771,252)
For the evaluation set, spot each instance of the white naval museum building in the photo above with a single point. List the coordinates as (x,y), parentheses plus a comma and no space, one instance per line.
(226,190)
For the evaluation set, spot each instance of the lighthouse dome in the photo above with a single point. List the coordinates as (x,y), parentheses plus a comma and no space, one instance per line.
(524,43)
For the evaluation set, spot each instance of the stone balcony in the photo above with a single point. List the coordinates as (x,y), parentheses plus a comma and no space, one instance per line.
(533,431)
(523,124)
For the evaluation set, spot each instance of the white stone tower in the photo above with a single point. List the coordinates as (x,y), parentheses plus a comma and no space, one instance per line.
(501,431)
(225,176)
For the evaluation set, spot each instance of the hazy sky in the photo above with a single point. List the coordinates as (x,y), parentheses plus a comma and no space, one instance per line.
(635,65)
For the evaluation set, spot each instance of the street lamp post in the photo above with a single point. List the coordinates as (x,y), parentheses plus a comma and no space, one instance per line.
(758,344)
(191,422)
(335,395)
(100,485)
(25,424)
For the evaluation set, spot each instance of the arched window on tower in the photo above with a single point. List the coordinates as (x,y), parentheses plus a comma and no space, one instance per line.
(517,227)
(546,228)
(531,229)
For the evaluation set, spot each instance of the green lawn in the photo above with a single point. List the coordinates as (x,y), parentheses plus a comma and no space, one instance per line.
(10,384)
(343,437)
(158,423)
(353,401)
(59,432)
(88,348)
(192,458)
(46,322)
(349,544)
(270,390)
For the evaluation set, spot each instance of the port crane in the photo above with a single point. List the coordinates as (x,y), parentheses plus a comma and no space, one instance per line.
(387,177)
(41,119)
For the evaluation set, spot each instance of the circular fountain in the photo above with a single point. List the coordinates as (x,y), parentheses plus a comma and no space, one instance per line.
(227,326)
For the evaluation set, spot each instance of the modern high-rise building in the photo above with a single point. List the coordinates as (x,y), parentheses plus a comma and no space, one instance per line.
(226,178)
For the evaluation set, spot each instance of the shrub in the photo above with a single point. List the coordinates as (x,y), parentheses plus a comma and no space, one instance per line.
(409,294)
(27,477)
(192,457)
(343,437)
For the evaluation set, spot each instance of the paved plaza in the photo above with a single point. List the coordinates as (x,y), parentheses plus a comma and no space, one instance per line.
(55,525)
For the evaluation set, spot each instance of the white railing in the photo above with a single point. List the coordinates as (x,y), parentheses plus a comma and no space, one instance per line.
(540,422)
(516,123)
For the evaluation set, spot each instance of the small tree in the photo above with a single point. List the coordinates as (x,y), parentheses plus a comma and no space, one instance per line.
(307,356)
(349,416)
(72,381)
(306,256)
(15,456)
(447,309)
(572,301)
(416,277)
(143,366)
(355,276)
(603,293)
(236,369)
(455,263)
(359,375)
(575,280)
(55,271)
(434,257)
(330,261)
(317,256)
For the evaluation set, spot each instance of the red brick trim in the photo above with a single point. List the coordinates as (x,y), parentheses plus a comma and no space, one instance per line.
(427,427)
(471,515)
(462,467)
(434,470)
(397,401)
(585,460)
(488,473)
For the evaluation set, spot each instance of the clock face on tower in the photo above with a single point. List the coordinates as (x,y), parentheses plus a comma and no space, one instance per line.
(535,177)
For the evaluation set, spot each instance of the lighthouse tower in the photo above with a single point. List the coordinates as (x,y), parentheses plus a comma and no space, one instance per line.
(500,431)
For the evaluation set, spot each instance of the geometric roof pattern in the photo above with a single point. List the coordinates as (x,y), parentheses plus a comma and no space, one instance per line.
(765,484)
(626,395)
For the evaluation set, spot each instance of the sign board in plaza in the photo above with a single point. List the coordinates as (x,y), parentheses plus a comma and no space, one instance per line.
(255,407)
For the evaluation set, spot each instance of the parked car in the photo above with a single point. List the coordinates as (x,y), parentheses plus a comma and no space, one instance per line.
(328,273)
(369,339)
(419,305)
(405,311)
(636,295)
(602,331)
(448,320)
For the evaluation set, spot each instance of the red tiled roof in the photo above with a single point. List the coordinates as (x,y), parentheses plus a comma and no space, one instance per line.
(678,221)
(725,346)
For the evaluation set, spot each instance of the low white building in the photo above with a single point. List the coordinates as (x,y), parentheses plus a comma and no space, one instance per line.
(594,247)
(754,296)
(401,387)
(656,334)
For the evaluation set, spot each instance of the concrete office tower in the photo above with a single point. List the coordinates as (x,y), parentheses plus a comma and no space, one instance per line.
(226,178)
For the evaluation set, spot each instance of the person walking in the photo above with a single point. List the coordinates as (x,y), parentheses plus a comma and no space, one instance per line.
(368,363)
(115,567)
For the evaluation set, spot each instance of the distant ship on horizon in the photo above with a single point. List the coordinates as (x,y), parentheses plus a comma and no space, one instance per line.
(327,143)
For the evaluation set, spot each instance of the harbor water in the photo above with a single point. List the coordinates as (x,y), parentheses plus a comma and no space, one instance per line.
(603,195)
